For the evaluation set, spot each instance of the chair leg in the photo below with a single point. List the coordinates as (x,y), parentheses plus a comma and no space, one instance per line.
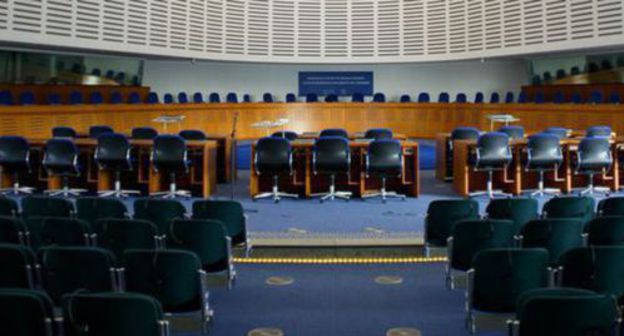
(490,192)
(591,189)
(541,190)
(275,194)
(118,191)
(65,191)
(333,194)
(173,190)
(383,193)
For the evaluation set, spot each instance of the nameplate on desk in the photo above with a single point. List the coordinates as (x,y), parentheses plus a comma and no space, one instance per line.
(167,119)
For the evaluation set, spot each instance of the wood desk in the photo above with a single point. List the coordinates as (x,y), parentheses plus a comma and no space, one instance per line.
(201,180)
(515,178)
(305,183)
(352,136)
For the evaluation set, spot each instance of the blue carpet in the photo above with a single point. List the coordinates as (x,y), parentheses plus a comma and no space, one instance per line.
(339,300)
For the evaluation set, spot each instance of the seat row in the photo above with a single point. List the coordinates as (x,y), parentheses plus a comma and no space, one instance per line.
(74,98)
(591,67)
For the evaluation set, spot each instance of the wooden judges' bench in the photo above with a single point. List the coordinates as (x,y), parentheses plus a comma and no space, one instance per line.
(515,178)
(305,183)
(201,180)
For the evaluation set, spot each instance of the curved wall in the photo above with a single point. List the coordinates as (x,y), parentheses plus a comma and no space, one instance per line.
(316,31)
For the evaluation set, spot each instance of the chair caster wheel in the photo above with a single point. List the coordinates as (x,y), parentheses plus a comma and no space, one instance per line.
(322,201)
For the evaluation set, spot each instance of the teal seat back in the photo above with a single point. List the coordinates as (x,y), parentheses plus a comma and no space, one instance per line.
(118,235)
(8,207)
(570,207)
(502,275)
(206,238)
(519,210)
(599,269)
(611,206)
(557,235)
(119,314)
(230,213)
(16,260)
(442,215)
(91,209)
(606,230)
(159,211)
(12,230)
(69,269)
(472,236)
(25,313)
(56,231)
(44,206)
(566,313)
(170,276)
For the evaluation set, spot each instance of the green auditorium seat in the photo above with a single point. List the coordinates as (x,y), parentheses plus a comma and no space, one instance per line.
(519,210)
(91,209)
(557,235)
(8,207)
(570,207)
(564,311)
(18,267)
(159,211)
(500,276)
(118,235)
(57,231)
(611,206)
(46,206)
(442,215)
(606,231)
(597,268)
(25,312)
(12,231)
(69,269)
(173,277)
(206,238)
(118,314)
(468,237)
(231,214)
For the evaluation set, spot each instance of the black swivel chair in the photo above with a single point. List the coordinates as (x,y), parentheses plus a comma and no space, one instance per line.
(288,135)
(559,132)
(492,154)
(543,154)
(63,132)
(144,133)
(113,154)
(192,135)
(169,155)
(378,134)
(331,156)
(514,132)
(60,158)
(384,159)
(96,131)
(340,132)
(274,156)
(594,157)
(15,159)
(599,131)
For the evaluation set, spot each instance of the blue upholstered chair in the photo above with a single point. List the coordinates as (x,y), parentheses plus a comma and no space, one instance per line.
(54,99)
(27,98)
(479,98)
(6,98)
(311,98)
(75,98)
(291,98)
(536,80)
(183,98)
(444,97)
(96,98)
(509,97)
(423,97)
(599,132)
(96,72)
(379,98)
(405,98)
(561,73)
(231,97)
(596,98)
(267,98)
(522,98)
(559,98)
(246,98)
(547,76)
(494,98)
(168,98)
(539,98)
(116,98)
(198,98)
(576,98)
(152,98)
(214,98)
(461,98)
(331,98)
(135,98)
(357,98)
(614,98)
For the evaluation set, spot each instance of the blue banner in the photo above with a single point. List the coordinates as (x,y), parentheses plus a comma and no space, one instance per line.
(337,83)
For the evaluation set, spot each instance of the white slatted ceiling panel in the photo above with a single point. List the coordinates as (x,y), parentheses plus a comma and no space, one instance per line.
(336,28)
(414,28)
(309,30)
(258,27)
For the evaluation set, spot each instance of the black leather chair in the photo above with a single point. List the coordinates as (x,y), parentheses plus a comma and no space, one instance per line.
(514,132)
(274,156)
(543,154)
(492,154)
(170,156)
(384,159)
(331,156)
(60,158)
(594,157)
(113,154)
(144,133)
(378,133)
(15,159)
(96,131)
(560,132)
(63,132)
(460,133)
(599,131)
(192,135)
(288,135)
(331,98)
(340,132)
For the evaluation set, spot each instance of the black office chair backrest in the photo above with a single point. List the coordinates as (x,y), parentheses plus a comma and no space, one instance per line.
(465,133)
(144,133)
(192,135)
(514,132)
(378,133)
(13,151)
(288,135)
(493,149)
(169,151)
(544,149)
(385,156)
(594,153)
(331,154)
(112,147)
(60,152)
(560,132)
(273,155)
(599,131)
(96,131)
(63,132)
(334,132)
